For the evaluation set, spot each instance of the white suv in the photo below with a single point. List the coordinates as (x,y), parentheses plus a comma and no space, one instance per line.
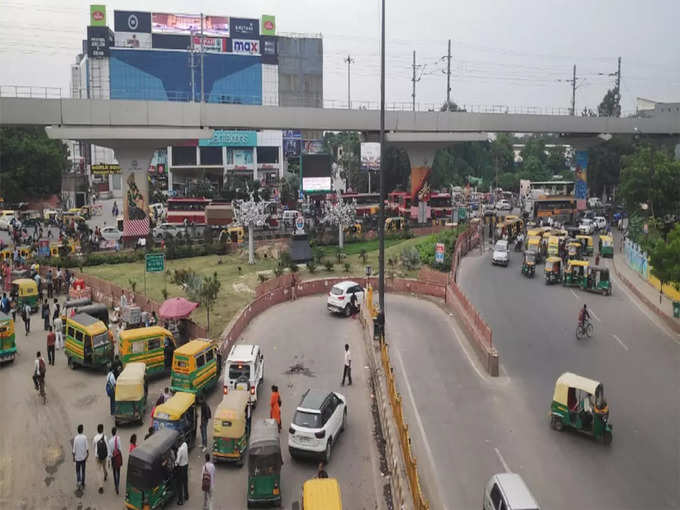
(244,367)
(340,297)
(587,226)
(500,253)
(317,423)
(601,222)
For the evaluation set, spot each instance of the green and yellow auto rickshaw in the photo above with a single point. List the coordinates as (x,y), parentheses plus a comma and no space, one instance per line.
(606,246)
(196,367)
(153,345)
(597,280)
(586,244)
(88,342)
(575,273)
(151,472)
(394,224)
(131,393)
(321,494)
(553,270)
(178,413)
(25,291)
(579,403)
(574,250)
(535,243)
(553,246)
(8,346)
(231,427)
(264,464)
(529,263)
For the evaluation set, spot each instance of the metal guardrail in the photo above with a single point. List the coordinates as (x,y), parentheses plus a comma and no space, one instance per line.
(141,94)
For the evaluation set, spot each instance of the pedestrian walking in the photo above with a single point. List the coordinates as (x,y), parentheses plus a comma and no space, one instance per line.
(57,309)
(26,316)
(205,419)
(207,482)
(275,405)
(111,389)
(50,284)
(59,332)
(101,448)
(133,442)
(347,368)
(4,303)
(166,394)
(182,472)
(80,453)
(51,340)
(321,472)
(116,457)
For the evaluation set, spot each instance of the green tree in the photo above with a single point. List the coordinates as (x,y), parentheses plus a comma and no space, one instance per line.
(664,258)
(204,290)
(30,164)
(611,104)
(556,161)
(502,153)
(509,181)
(450,106)
(604,164)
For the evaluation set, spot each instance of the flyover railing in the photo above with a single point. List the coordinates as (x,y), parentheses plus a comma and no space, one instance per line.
(276,99)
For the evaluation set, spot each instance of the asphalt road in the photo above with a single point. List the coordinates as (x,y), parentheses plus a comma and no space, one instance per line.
(36,469)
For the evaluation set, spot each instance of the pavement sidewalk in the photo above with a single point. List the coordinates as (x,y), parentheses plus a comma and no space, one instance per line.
(644,290)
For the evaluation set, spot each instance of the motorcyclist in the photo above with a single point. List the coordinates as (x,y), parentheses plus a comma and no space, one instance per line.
(583,315)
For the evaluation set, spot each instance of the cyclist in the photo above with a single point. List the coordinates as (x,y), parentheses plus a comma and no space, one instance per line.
(583,316)
(39,371)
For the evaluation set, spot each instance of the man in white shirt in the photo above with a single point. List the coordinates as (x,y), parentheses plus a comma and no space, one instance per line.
(208,469)
(347,369)
(102,453)
(182,465)
(59,332)
(80,454)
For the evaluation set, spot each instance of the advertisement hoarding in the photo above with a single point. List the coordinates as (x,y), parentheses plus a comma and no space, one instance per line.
(132,21)
(244,28)
(316,172)
(439,252)
(292,140)
(99,40)
(313,147)
(244,47)
(98,15)
(269,50)
(214,44)
(136,202)
(581,178)
(187,24)
(170,42)
(133,40)
(105,169)
(268,25)
(370,156)
(224,138)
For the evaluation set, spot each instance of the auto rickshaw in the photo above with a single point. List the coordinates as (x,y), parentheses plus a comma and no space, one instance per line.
(354,228)
(394,224)
(553,246)
(231,426)
(586,244)
(573,250)
(25,291)
(97,310)
(597,280)
(232,234)
(178,413)
(264,464)
(131,393)
(321,494)
(553,270)
(535,243)
(579,403)
(8,346)
(153,345)
(88,342)
(71,304)
(529,263)
(606,246)
(575,273)
(534,232)
(150,473)
(196,367)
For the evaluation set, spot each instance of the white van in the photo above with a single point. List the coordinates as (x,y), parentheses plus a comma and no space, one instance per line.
(507,491)
(245,362)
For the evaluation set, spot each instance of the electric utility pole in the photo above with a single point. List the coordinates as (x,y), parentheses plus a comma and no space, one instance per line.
(448,77)
(573,92)
(413,80)
(349,61)
(202,54)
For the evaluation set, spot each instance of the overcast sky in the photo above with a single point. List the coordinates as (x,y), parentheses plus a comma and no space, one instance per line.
(504,52)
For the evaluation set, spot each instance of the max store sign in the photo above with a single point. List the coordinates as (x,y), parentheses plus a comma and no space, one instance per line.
(245,47)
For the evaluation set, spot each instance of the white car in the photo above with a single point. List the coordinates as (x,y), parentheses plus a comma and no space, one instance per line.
(244,369)
(317,423)
(111,234)
(6,222)
(503,205)
(340,297)
(166,231)
(501,254)
(587,226)
(600,222)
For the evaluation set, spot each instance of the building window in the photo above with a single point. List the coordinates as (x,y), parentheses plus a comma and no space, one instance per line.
(211,155)
(239,157)
(268,155)
(183,156)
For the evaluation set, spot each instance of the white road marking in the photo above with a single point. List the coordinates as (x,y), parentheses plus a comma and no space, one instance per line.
(619,341)
(419,422)
(574,293)
(593,314)
(467,354)
(500,457)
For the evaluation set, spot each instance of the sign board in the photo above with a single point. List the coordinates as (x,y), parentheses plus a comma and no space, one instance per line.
(99,41)
(267,25)
(439,253)
(105,169)
(134,40)
(300,224)
(132,21)
(214,44)
(155,262)
(98,15)
(188,24)
(224,138)
(245,47)
(370,156)
(244,27)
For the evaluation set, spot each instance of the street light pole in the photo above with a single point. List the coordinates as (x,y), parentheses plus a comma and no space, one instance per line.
(381,225)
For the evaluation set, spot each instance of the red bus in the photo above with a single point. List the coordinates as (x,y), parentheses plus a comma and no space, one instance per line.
(190,209)
(399,203)
(440,205)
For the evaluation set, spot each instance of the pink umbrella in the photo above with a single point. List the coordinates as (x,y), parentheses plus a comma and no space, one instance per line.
(176,308)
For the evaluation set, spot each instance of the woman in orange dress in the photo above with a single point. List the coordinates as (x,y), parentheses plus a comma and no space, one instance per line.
(275,405)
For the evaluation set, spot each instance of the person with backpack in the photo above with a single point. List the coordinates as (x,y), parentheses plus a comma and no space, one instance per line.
(207,482)
(101,448)
(111,390)
(116,457)
(39,371)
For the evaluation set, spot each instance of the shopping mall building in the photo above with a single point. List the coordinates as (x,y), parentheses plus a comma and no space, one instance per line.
(157,56)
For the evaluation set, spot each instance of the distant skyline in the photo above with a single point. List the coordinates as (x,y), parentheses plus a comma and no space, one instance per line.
(504,53)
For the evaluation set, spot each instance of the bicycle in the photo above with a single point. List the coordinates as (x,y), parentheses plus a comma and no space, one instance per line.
(41,389)
(583,330)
